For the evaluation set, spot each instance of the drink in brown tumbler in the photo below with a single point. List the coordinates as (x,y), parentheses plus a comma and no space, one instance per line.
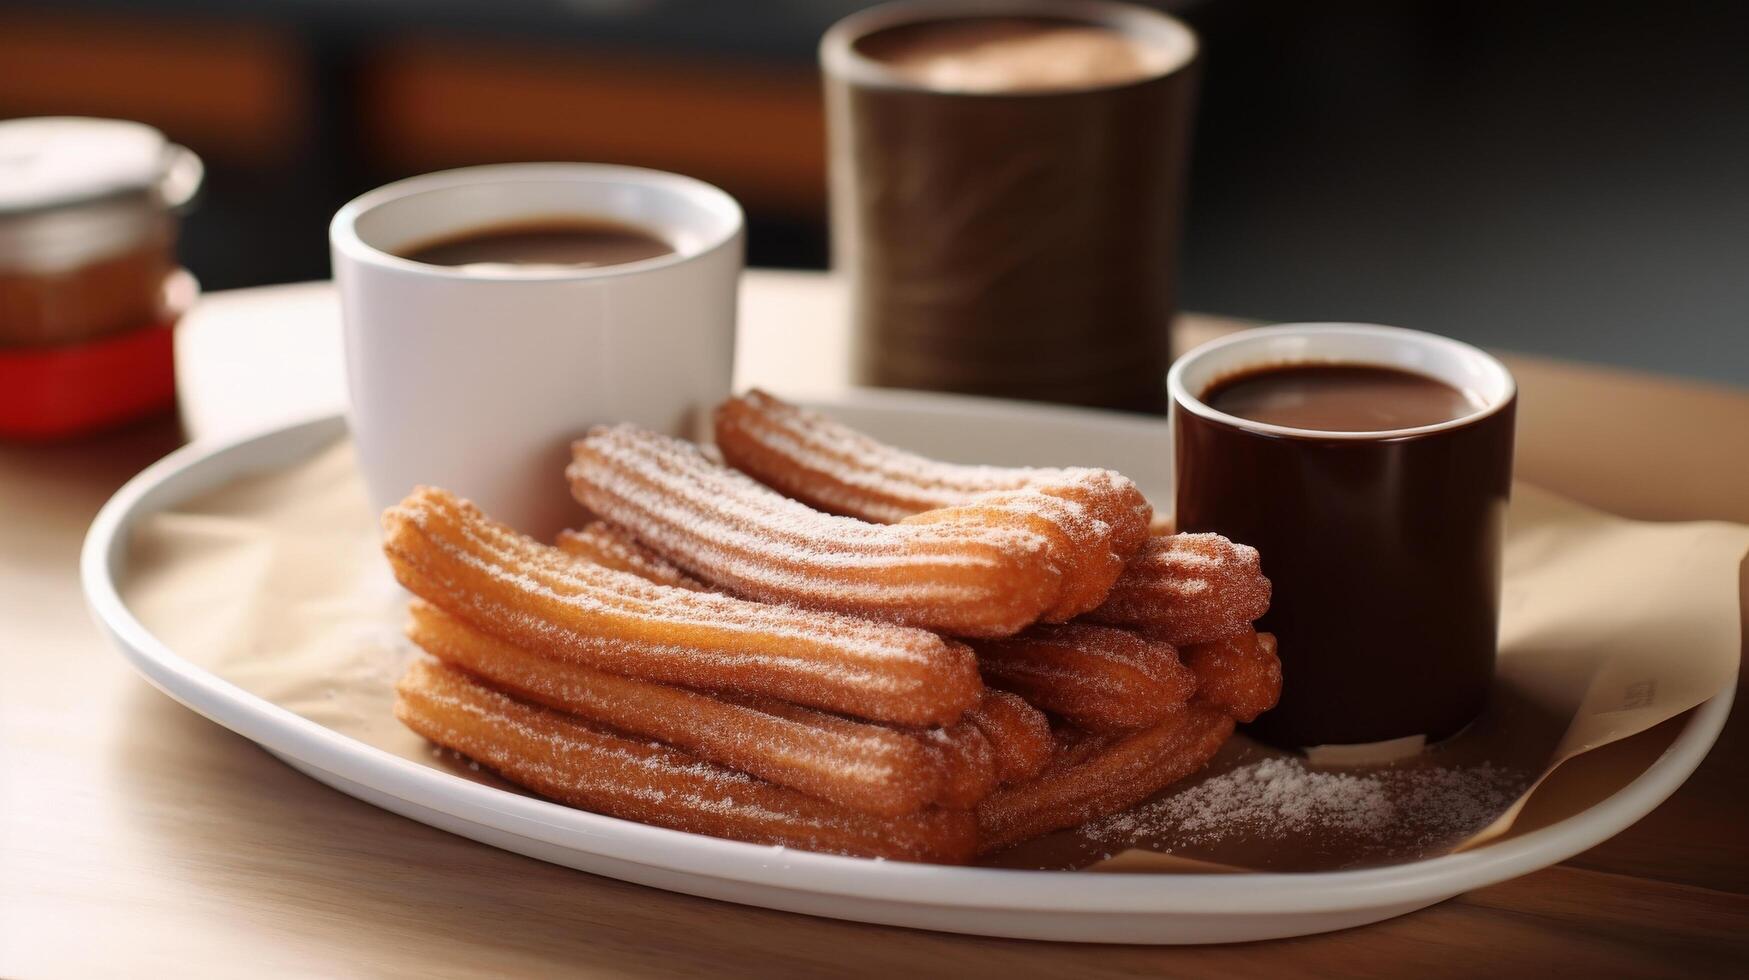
(1383,542)
(1006,195)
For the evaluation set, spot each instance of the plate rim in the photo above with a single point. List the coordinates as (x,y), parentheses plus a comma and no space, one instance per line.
(281,731)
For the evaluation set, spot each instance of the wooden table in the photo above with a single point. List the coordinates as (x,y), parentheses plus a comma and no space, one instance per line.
(138,839)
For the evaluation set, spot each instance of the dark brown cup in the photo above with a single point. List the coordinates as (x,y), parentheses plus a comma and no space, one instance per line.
(1018,244)
(1384,548)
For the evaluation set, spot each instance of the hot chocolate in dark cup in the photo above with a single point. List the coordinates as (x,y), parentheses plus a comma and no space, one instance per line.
(1006,189)
(1383,544)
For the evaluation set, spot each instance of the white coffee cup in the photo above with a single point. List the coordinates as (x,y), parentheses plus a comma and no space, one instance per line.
(477,379)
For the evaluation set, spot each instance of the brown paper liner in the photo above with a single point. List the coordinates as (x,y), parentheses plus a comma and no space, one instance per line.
(1611,630)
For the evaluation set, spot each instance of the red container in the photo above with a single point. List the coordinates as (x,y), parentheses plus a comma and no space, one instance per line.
(72,390)
(89,287)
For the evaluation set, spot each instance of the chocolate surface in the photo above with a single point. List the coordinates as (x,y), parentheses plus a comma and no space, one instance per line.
(1338,397)
(1385,559)
(558,241)
(1011,54)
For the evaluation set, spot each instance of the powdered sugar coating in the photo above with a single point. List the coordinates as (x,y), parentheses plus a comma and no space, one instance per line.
(972,570)
(545,601)
(1386,811)
(1189,588)
(553,754)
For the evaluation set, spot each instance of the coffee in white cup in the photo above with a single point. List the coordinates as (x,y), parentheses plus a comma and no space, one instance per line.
(476,375)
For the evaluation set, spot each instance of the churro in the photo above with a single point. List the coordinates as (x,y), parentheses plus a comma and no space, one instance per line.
(1241,674)
(1018,733)
(972,570)
(1188,588)
(1097,777)
(1099,678)
(586,767)
(545,601)
(859,764)
(968,761)
(1079,546)
(833,467)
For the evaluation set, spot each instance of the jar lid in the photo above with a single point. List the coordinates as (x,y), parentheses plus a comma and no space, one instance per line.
(55,161)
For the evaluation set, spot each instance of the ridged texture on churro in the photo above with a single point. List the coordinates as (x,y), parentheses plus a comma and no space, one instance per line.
(1018,733)
(1095,777)
(1099,678)
(973,571)
(833,467)
(862,765)
(610,546)
(969,762)
(1076,545)
(557,756)
(1188,588)
(1241,674)
(543,600)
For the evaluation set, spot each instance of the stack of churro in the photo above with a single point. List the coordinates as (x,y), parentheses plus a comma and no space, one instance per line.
(829,643)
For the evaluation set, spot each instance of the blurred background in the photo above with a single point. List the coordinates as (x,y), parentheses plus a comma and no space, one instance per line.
(1568,177)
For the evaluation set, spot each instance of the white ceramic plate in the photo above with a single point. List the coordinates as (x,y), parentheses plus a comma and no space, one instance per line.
(1132,908)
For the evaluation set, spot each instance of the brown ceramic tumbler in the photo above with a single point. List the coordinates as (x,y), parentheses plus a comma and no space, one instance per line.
(1006,184)
(1384,547)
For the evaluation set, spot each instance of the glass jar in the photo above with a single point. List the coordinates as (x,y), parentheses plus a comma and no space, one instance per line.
(87,227)
(90,291)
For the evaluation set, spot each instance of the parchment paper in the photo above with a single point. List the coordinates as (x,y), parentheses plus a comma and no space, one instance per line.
(1609,628)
